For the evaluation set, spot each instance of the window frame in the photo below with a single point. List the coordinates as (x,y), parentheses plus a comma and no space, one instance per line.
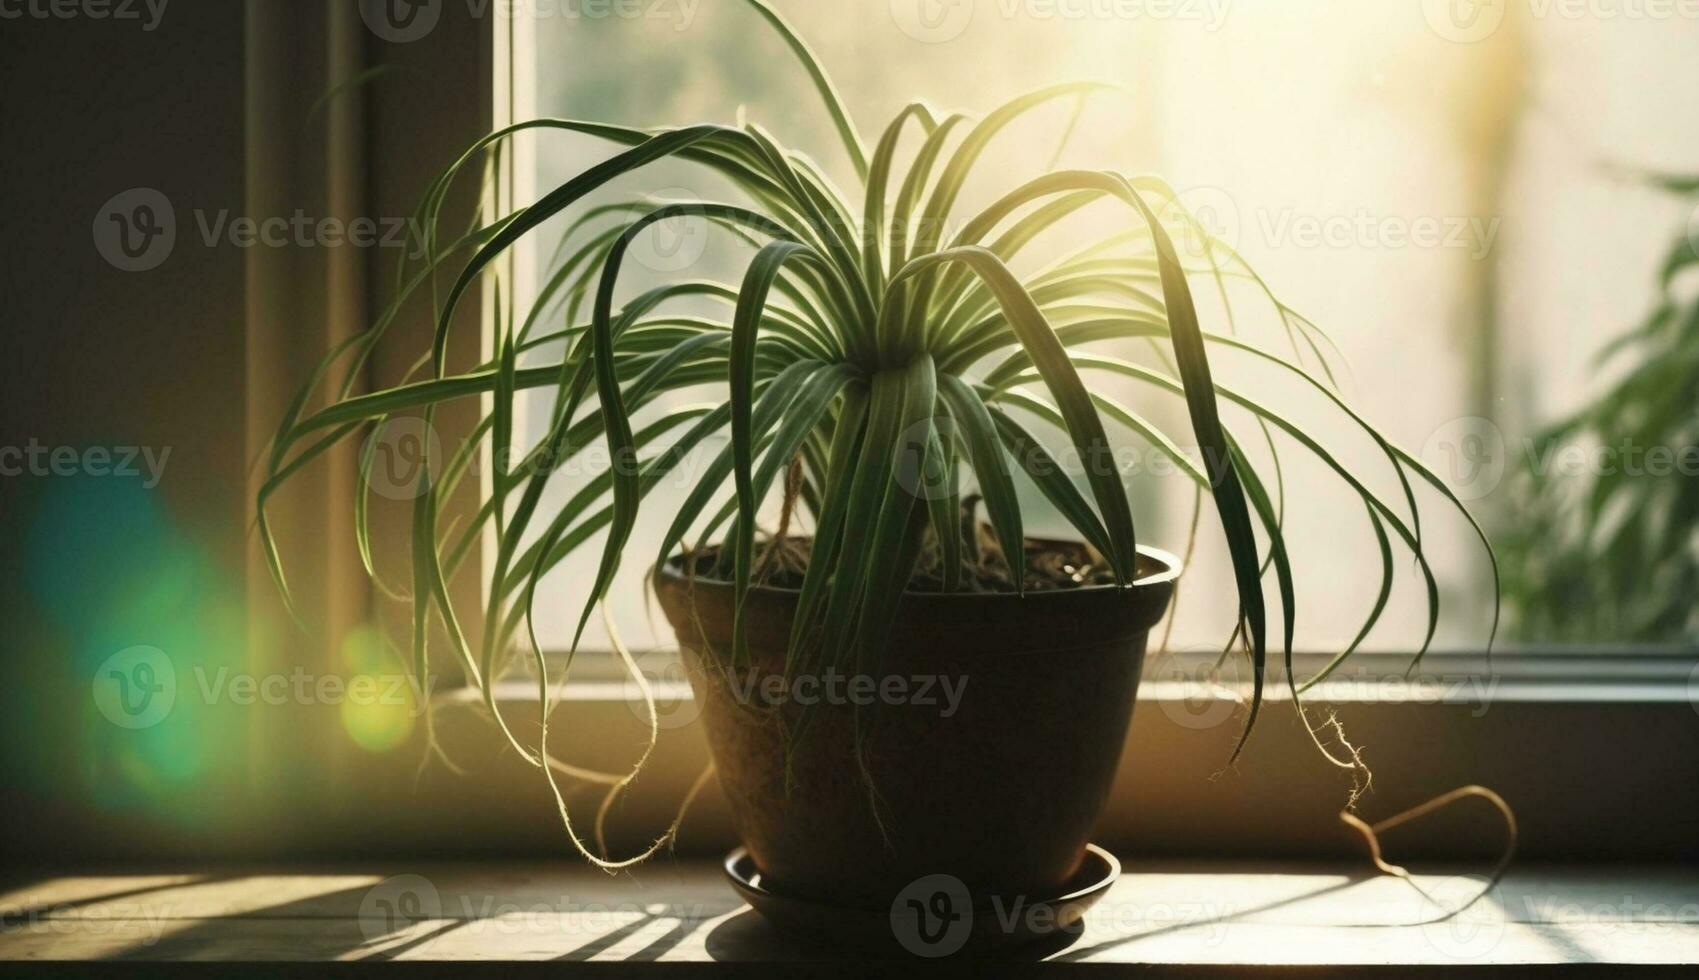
(1621,792)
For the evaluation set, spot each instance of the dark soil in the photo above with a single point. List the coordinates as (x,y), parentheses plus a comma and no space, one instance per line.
(1049,566)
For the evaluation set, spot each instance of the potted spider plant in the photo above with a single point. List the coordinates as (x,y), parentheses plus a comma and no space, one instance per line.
(884,378)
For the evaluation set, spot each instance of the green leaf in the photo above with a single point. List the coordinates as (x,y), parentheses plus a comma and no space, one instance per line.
(756,284)
(1084,425)
(1048,474)
(985,448)
(822,83)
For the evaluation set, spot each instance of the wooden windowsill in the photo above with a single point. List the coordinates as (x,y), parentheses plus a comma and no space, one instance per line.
(513,919)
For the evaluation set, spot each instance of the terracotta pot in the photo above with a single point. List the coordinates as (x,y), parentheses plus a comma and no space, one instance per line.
(995,729)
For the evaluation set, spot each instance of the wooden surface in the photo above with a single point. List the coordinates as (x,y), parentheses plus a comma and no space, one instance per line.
(510,920)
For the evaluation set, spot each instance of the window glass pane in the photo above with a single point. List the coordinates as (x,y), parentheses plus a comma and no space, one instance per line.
(1439,199)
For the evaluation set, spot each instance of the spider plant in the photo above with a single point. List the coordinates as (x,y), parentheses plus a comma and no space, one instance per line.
(864,345)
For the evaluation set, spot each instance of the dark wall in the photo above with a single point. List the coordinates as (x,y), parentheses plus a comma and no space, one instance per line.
(92,356)
(156,374)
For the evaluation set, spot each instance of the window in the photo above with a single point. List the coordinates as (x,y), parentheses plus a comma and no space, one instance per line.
(1443,205)
(1429,202)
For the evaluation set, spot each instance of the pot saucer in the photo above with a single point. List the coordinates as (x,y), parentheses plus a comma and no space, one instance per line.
(934,916)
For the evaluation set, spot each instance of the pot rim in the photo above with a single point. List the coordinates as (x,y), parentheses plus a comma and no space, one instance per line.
(1169,573)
